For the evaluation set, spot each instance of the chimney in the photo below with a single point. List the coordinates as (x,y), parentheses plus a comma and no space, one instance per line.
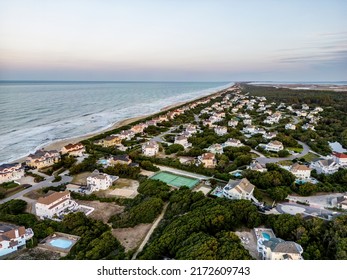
(16,233)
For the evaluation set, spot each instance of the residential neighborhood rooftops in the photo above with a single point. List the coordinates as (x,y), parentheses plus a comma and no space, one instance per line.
(240,186)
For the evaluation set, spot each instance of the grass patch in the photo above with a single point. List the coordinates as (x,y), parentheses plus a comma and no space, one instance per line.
(285,162)
(310,157)
(81,178)
(8,185)
(294,149)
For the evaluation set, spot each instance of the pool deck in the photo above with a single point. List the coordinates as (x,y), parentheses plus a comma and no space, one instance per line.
(45,243)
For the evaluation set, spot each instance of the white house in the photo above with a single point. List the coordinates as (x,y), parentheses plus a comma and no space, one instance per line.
(10,172)
(247,121)
(182,140)
(233,123)
(340,158)
(256,166)
(220,130)
(290,126)
(191,129)
(231,142)
(99,181)
(242,189)
(13,238)
(270,135)
(55,204)
(150,148)
(308,126)
(300,171)
(215,149)
(325,166)
(274,146)
(251,129)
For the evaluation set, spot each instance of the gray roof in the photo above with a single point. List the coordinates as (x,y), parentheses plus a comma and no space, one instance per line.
(280,246)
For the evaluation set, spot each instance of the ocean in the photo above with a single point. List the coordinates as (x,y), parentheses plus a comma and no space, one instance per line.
(34,114)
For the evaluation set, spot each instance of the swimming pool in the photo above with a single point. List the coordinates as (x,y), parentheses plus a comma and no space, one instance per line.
(265,235)
(61,243)
(103,161)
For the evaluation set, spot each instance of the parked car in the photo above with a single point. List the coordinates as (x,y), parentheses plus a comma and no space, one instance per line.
(26,186)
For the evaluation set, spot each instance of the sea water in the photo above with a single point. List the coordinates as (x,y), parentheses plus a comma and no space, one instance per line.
(34,114)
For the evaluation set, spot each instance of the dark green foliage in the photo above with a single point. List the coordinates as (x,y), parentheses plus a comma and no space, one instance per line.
(196,227)
(147,165)
(13,207)
(174,148)
(154,188)
(145,212)
(123,171)
(88,164)
(8,185)
(37,178)
(283,153)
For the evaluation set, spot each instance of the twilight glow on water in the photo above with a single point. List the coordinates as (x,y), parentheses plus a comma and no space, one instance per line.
(36,113)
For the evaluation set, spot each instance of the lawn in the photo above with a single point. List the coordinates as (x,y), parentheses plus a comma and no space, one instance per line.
(310,157)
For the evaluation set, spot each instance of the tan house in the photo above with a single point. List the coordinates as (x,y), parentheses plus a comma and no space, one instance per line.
(41,158)
(300,171)
(75,150)
(208,160)
(139,128)
(110,141)
(11,172)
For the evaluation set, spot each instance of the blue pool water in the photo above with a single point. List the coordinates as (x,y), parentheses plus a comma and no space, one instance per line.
(103,161)
(265,235)
(61,243)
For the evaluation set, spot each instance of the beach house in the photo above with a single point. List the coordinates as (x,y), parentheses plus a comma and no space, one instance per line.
(11,172)
(111,140)
(274,146)
(41,158)
(325,166)
(256,166)
(208,160)
(182,140)
(270,247)
(120,159)
(290,126)
(54,205)
(340,158)
(241,189)
(231,142)
(233,123)
(215,149)
(300,171)
(13,238)
(99,181)
(75,150)
(150,148)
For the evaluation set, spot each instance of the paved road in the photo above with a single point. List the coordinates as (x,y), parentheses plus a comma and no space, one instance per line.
(149,233)
(294,208)
(48,182)
(305,151)
(159,138)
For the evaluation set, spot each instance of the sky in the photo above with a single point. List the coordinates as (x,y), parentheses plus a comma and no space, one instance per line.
(167,40)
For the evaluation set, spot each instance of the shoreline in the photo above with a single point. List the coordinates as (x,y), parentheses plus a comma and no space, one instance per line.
(58,144)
